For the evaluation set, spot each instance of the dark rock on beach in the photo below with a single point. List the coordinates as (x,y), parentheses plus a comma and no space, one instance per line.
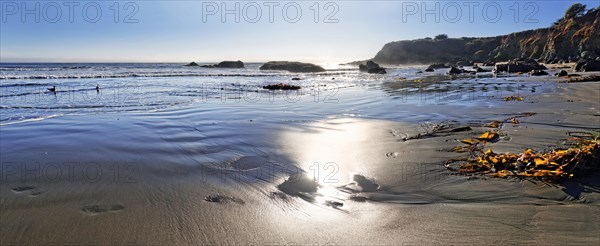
(587,66)
(519,66)
(292,67)
(371,67)
(561,73)
(281,86)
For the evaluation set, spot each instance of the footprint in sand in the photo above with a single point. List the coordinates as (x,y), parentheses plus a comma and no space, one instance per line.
(392,154)
(223,199)
(98,209)
(26,189)
(278,195)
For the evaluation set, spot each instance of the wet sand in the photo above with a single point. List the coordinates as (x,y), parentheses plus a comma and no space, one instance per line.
(151,178)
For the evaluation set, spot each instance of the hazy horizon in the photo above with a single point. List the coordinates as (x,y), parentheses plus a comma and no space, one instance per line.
(184,31)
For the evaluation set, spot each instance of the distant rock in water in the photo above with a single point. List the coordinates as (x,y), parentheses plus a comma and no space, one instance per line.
(519,66)
(226,64)
(587,66)
(191,64)
(429,69)
(299,67)
(230,64)
(371,67)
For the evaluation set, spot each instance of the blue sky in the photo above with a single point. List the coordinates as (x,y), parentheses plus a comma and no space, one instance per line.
(181,31)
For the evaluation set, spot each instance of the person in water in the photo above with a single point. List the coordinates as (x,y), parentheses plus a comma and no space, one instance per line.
(97,88)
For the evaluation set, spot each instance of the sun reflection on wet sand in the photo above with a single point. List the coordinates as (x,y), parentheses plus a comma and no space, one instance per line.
(331,153)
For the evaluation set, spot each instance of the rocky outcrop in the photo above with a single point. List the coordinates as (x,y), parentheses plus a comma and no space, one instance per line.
(587,66)
(519,66)
(292,67)
(371,67)
(191,64)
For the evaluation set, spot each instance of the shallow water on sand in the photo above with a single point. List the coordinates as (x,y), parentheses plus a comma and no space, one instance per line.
(181,162)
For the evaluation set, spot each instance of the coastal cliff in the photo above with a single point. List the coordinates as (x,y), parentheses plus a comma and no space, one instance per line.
(575,36)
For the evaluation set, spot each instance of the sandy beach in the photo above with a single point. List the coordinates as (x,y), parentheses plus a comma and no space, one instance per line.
(244,173)
(300,122)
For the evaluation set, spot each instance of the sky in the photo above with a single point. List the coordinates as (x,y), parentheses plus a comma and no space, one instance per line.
(251,31)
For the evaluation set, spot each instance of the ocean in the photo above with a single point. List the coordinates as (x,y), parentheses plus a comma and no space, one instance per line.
(143,87)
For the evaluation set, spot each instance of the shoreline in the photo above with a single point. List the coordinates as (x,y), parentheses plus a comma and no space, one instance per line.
(221,165)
